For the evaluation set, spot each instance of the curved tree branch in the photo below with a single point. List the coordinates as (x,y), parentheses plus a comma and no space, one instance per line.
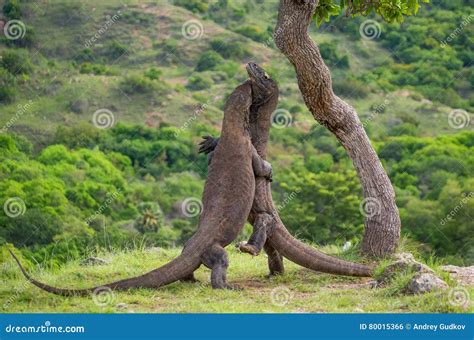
(382,224)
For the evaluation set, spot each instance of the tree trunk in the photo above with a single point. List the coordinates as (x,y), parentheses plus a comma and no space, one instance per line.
(382,221)
(279,241)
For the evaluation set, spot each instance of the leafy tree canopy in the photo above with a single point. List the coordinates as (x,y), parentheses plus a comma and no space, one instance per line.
(389,10)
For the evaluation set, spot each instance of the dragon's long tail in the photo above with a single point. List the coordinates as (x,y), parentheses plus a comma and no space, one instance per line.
(170,272)
(306,256)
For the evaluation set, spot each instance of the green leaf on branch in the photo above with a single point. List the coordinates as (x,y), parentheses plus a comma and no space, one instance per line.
(389,10)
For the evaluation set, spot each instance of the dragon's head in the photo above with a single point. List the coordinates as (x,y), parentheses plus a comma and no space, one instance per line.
(263,86)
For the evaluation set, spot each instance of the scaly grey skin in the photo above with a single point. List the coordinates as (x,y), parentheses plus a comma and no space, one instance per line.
(265,99)
(227,201)
(269,231)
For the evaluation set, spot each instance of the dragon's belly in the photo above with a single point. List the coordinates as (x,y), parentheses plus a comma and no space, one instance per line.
(228,197)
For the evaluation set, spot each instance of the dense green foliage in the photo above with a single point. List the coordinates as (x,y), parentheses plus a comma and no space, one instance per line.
(85,188)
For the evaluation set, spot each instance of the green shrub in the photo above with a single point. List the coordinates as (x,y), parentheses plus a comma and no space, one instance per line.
(11,9)
(198,82)
(230,68)
(229,48)
(196,6)
(85,55)
(16,62)
(253,32)
(297,109)
(96,69)
(7,87)
(351,88)
(114,50)
(137,84)
(138,18)
(407,129)
(153,73)
(208,61)
(331,57)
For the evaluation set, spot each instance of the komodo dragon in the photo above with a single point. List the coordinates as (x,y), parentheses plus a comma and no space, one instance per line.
(269,231)
(227,200)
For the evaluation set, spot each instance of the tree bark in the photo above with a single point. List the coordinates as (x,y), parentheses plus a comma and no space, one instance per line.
(382,220)
(279,241)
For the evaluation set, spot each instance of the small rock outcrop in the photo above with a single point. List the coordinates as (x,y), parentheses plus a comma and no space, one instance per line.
(404,262)
(94,261)
(423,283)
(463,275)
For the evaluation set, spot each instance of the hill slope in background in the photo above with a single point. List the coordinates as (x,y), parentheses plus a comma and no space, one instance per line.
(86,56)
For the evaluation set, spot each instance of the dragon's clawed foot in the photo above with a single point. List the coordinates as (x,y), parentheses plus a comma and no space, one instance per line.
(268,171)
(208,144)
(244,247)
(233,287)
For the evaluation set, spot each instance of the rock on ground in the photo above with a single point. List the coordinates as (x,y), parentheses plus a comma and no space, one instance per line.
(423,283)
(404,262)
(463,275)
(93,261)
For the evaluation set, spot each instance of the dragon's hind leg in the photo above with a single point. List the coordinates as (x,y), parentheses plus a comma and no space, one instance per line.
(190,278)
(275,260)
(259,235)
(215,258)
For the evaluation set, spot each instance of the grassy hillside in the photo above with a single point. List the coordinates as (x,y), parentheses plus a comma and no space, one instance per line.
(72,77)
(298,291)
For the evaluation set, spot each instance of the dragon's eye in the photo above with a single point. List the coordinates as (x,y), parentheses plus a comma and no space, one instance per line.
(266,75)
